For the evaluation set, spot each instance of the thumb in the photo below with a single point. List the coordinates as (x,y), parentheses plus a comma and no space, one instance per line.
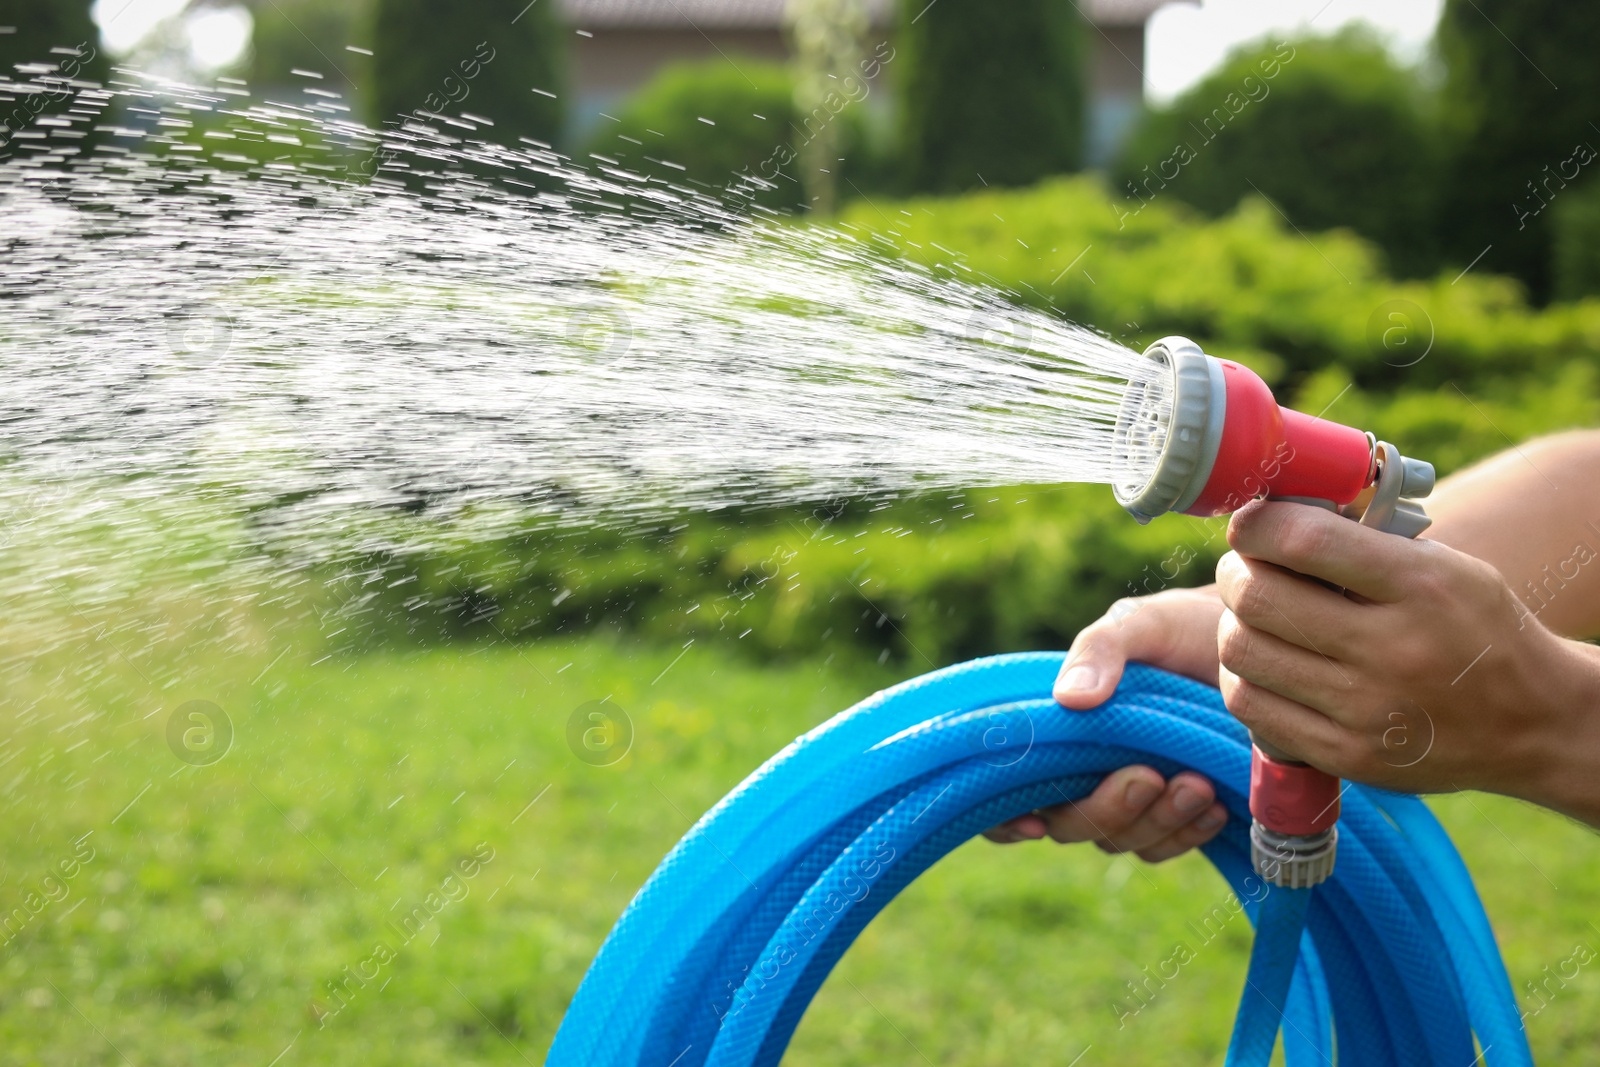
(1094,664)
(1175,630)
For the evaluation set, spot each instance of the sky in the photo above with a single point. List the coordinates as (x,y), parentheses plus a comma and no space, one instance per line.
(1183,42)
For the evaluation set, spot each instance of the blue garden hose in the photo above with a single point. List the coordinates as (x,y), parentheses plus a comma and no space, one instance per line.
(1391,961)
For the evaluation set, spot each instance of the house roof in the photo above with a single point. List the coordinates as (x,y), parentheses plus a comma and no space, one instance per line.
(768,14)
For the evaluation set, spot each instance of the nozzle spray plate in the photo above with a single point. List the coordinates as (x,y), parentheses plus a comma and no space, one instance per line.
(1169,430)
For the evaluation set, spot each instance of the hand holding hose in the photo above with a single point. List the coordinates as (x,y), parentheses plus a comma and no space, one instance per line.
(1523,720)
(1135,809)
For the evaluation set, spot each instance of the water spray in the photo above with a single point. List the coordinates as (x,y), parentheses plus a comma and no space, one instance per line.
(1206,438)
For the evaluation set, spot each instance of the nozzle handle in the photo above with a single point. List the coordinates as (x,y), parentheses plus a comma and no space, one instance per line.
(1293,806)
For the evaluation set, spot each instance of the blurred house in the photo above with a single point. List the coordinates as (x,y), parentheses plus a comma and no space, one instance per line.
(621,44)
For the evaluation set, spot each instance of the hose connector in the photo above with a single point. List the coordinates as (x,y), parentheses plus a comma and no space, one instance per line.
(1294,811)
(1292,861)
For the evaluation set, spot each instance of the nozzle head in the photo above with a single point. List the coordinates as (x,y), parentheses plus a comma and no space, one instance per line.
(1168,430)
(1204,436)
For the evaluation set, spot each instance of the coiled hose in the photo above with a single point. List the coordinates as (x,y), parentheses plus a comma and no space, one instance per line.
(1391,961)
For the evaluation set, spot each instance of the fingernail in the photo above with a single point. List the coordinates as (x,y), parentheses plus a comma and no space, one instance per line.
(1210,820)
(1188,800)
(1079,678)
(1140,793)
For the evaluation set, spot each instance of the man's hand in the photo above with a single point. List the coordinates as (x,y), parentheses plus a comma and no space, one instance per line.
(1421,671)
(1135,809)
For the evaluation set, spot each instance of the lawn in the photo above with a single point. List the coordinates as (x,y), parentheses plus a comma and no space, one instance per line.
(430,802)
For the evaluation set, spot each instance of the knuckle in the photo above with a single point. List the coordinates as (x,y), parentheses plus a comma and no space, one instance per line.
(1096,637)
(1242,524)
(1064,828)
(1353,757)
(1235,642)
(1487,581)
(1250,599)
(1304,538)
(1167,819)
(1230,567)
(1243,700)
(1120,611)
(1426,583)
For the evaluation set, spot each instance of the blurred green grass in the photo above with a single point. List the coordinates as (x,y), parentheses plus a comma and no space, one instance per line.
(222,900)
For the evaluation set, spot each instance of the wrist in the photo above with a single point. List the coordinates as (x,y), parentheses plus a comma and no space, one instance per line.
(1565,777)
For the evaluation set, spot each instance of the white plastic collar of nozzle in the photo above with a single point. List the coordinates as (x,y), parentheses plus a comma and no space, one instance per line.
(1199,409)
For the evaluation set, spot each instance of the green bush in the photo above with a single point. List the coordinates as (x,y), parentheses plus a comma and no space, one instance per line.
(922,580)
(715,125)
(1330,130)
(930,579)
(1576,243)
(495,58)
(990,97)
(1518,101)
(1248,285)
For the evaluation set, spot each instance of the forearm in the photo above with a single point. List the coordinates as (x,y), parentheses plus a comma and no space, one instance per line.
(1533,512)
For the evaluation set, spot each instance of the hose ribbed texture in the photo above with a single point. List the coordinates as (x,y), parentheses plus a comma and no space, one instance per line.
(1391,961)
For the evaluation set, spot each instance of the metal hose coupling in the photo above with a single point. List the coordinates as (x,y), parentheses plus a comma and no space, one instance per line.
(1205,437)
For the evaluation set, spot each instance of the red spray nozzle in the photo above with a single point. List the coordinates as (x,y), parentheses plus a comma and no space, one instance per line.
(1204,436)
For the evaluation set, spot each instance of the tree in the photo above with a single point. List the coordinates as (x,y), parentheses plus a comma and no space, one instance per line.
(37,26)
(57,33)
(502,59)
(291,35)
(1521,107)
(992,94)
(1330,130)
(829,44)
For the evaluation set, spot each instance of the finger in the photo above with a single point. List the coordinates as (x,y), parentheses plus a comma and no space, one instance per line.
(1288,605)
(1094,664)
(1190,835)
(1185,799)
(1029,827)
(1289,727)
(1116,802)
(1136,628)
(1325,545)
(1305,676)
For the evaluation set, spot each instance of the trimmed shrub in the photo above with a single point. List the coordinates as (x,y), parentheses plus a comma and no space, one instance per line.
(714,125)
(495,58)
(1248,286)
(990,97)
(1330,130)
